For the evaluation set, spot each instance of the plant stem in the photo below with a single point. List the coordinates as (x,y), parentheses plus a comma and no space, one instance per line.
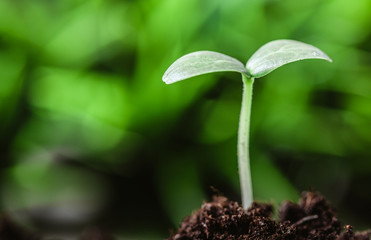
(243,142)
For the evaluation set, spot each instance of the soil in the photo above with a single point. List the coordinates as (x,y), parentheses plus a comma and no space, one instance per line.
(311,219)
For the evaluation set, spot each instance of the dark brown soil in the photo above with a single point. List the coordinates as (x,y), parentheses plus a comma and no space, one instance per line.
(311,219)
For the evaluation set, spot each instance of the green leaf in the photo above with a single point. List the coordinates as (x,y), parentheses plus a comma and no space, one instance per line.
(277,53)
(201,62)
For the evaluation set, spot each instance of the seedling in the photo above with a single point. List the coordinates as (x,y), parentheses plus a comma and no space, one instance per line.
(266,59)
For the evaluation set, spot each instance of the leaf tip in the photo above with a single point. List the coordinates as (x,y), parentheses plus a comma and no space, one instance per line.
(322,55)
(164,79)
(167,77)
(167,81)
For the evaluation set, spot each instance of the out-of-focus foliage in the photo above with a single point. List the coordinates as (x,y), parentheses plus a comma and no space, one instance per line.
(90,135)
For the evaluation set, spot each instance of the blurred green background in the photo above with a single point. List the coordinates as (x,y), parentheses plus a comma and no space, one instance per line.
(91,136)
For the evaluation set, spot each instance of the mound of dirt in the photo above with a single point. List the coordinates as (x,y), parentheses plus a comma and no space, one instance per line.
(312,218)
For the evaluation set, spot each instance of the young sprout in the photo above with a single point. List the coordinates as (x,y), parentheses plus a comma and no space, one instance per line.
(266,59)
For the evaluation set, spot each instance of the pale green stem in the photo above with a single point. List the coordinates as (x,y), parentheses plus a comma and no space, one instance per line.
(243,142)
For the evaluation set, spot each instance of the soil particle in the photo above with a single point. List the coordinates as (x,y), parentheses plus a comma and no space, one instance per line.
(349,235)
(311,219)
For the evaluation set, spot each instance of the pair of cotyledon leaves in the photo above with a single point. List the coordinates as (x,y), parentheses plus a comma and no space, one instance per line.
(266,59)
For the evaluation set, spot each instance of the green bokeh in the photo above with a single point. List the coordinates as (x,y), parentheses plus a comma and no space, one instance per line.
(85,117)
